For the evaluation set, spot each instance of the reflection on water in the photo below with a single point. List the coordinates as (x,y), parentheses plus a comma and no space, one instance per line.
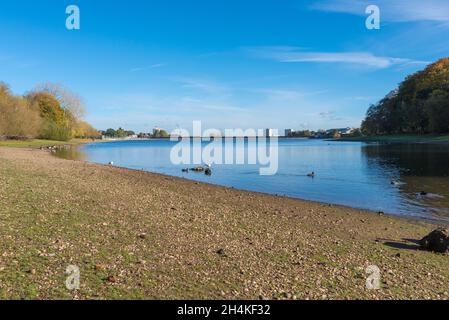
(422,173)
(411,180)
(71,153)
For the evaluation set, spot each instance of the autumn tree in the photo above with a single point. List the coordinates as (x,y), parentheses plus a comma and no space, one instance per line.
(17,117)
(420,105)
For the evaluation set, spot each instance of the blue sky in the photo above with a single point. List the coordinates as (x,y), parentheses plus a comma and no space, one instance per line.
(229,63)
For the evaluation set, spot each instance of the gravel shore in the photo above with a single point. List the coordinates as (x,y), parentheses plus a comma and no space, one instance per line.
(137,235)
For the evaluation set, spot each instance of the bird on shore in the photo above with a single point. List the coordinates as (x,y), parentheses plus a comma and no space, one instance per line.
(311,175)
(111,163)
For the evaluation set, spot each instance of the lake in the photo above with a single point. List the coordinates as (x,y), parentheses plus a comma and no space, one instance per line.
(354,174)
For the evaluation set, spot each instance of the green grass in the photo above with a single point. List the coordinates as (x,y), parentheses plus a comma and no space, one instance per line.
(403,138)
(36,143)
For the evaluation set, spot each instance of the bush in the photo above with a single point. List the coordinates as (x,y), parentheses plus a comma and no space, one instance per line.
(17,117)
(52,113)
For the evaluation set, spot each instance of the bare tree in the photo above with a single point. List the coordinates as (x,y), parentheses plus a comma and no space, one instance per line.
(69,100)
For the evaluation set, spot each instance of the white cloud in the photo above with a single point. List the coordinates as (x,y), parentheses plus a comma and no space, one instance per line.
(358,58)
(392,10)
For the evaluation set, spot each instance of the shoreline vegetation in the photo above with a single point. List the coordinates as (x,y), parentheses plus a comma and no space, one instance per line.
(413,139)
(141,235)
(399,138)
(49,112)
(420,105)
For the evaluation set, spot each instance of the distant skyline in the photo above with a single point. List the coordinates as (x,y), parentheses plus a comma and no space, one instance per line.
(231,64)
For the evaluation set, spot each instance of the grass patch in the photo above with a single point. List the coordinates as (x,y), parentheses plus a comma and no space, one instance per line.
(402,138)
(37,143)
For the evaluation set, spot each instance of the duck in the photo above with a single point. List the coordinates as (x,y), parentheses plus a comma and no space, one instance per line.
(185,170)
(395,183)
(311,175)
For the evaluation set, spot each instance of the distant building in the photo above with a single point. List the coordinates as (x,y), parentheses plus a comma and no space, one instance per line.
(341,131)
(269,133)
(289,132)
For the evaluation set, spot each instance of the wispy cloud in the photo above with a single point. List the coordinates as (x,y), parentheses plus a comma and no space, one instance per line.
(391,10)
(287,94)
(329,115)
(289,54)
(201,84)
(157,65)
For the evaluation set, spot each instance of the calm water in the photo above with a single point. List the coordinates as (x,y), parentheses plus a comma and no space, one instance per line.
(348,173)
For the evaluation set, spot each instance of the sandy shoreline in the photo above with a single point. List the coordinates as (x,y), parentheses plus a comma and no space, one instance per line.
(142,235)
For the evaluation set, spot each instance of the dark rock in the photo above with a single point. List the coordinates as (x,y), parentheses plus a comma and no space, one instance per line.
(221,252)
(436,241)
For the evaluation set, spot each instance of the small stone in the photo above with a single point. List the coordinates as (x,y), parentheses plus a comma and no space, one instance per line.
(143,236)
(111,279)
(32,271)
(221,252)
(287,295)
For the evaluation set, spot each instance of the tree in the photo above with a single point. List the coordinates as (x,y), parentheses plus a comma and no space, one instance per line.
(121,133)
(68,100)
(420,105)
(85,130)
(17,117)
(56,123)
(160,133)
(437,110)
(110,133)
(51,112)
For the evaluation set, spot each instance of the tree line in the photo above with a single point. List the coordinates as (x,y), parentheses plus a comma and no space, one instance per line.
(49,112)
(420,105)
